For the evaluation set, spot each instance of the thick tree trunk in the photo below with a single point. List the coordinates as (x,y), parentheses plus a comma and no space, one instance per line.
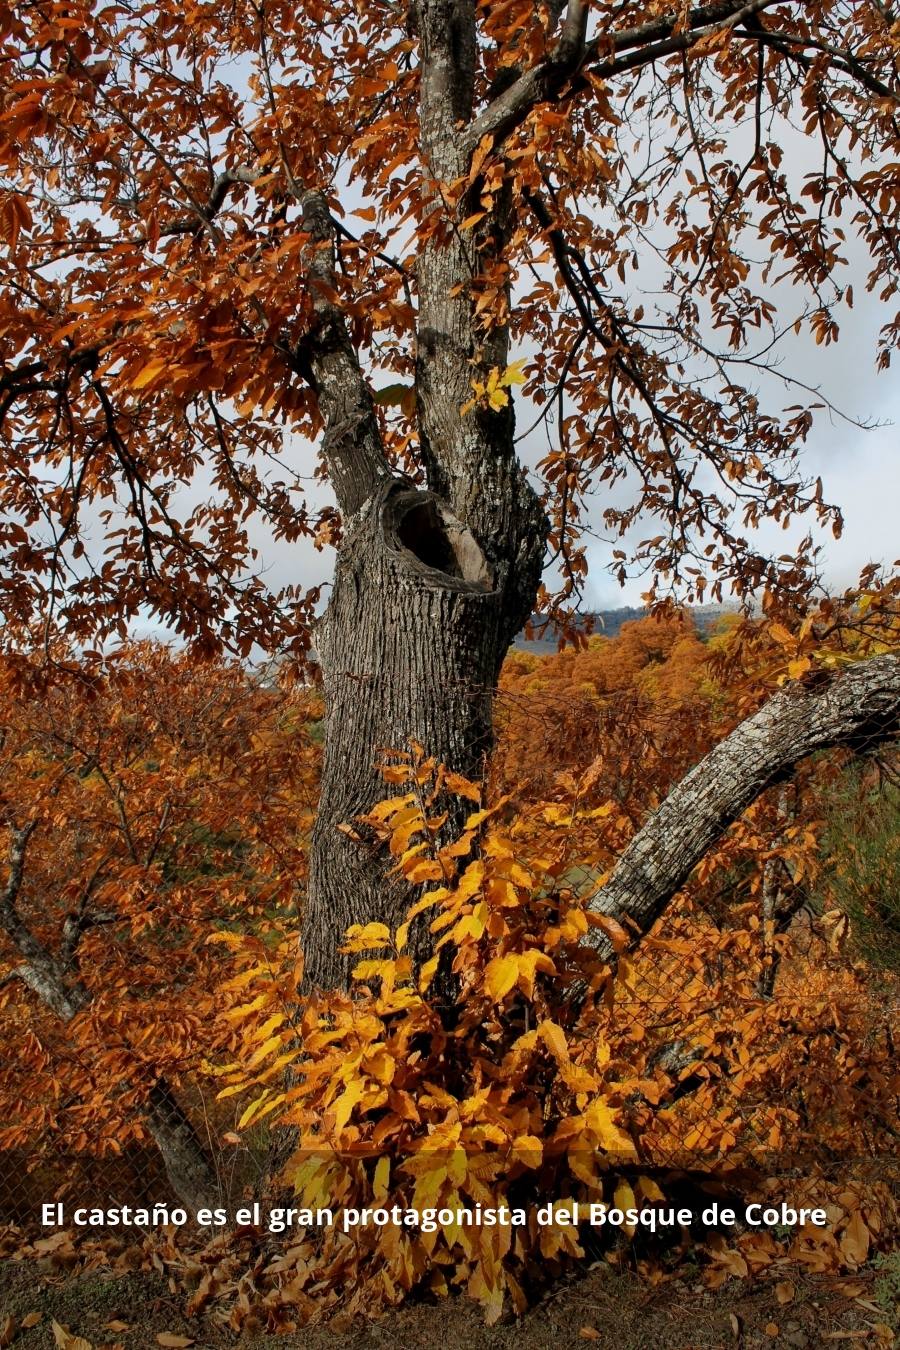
(411,647)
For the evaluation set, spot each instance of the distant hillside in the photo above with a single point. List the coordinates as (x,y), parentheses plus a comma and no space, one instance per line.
(609,621)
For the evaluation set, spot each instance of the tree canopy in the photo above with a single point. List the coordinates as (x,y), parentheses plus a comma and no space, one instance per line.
(226,228)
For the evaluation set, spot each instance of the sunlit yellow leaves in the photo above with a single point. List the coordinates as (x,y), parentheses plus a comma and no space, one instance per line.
(500,976)
(473,1075)
(492,392)
(362,937)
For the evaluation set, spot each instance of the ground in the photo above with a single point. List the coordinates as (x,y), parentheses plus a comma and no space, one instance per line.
(606,1307)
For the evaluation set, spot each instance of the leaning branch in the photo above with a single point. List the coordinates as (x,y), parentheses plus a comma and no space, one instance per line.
(859,708)
(328,361)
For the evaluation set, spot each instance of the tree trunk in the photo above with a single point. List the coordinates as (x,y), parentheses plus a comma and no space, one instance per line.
(411,647)
(57,984)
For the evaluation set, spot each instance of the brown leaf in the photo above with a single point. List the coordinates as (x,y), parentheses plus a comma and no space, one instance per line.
(855,1240)
(172,1339)
(31,1320)
(784,1291)
(7,1332)
(589,1334)
(67,1341)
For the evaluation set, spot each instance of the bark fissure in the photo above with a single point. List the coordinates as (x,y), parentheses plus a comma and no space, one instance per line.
(410,652)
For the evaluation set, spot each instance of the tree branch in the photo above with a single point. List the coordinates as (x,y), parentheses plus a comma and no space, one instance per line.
(859,707)
(40,970)
(326,358)
(626,50)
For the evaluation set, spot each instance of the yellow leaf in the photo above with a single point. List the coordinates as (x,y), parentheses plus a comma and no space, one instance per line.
(423,869)
(470,882)
(427,973)
(380,1182)
(528,1149)
(381,1066)
(649,1190)
(798,667)
(515,372)
(362,936)
(252,1109)
(147,373)
(274,1042)
(427,902)
(555,1039)
(235,1014)
(343,1107)
(623,1198)
(461,787)
(66,1341)
(268,1027)
(500,975)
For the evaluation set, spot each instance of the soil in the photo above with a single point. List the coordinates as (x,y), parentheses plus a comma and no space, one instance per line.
(604,1306)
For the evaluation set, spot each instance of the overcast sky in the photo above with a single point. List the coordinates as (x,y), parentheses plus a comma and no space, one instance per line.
(860,468)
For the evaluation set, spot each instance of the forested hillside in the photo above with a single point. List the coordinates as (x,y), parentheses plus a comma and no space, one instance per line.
(160,815)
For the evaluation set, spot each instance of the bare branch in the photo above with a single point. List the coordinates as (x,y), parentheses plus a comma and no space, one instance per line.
(326,358)
(860,707)
(40,971)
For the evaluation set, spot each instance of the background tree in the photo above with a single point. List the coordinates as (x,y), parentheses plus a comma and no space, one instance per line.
(154,808)
(180,293)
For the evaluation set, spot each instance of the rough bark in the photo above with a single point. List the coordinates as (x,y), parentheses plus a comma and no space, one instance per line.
(431,584)
(859,707)
(411,646)
(57,984)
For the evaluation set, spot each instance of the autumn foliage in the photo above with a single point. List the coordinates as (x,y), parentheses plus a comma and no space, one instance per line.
(167,802)
(512,1068)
